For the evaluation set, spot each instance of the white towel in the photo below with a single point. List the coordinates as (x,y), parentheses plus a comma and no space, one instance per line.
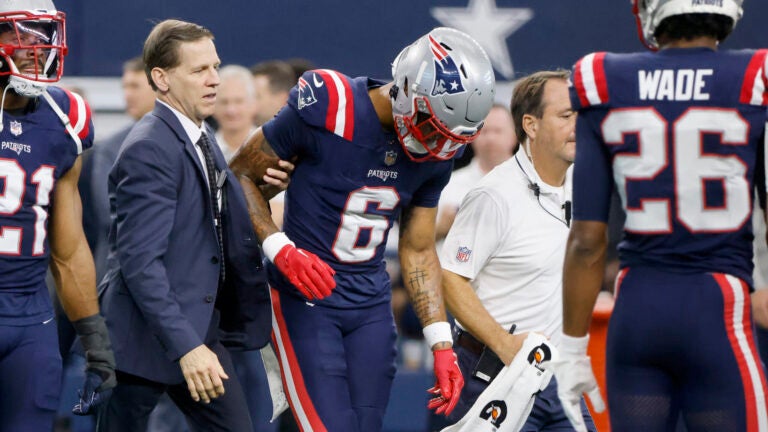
(272,368)
(505,405)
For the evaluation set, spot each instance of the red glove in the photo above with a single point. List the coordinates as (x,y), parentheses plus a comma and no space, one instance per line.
(449,382)
(308,273)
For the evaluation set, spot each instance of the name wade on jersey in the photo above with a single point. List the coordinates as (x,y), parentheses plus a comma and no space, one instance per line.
(674,85)
(16,147)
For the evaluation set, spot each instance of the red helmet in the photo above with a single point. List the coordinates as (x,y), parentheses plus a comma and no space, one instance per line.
(32,44)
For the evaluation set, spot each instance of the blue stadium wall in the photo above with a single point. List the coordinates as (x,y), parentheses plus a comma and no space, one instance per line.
(362,37)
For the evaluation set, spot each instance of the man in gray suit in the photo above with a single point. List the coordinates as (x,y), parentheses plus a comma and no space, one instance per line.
(184,263)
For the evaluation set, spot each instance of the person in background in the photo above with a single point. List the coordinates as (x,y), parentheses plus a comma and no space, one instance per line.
(299,66)
(495,144)
(760,276)
(235,109)
(139,99)
(272,80)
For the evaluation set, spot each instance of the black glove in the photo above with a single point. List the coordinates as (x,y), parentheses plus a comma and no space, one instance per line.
(99,364)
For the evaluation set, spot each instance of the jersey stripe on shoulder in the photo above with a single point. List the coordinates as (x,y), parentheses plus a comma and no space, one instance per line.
(754,90)
(340,118)
(590,81)
(79,114)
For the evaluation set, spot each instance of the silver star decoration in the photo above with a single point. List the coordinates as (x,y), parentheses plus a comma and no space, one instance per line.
(454,85)
(489,26)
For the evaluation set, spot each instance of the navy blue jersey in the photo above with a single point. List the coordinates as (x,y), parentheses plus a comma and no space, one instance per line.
(351,180)
(679,132)
(35,151)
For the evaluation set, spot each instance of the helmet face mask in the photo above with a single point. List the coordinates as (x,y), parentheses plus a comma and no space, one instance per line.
(443,90)
(32,45)
(425,137)
(650,13)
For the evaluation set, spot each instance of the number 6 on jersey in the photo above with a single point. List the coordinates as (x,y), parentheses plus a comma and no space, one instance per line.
(357,219)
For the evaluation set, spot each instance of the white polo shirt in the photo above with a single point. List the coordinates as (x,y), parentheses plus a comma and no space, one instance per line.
(462,180)
(510,247)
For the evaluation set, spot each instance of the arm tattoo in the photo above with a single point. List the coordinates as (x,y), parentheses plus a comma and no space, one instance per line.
(417,278)
(258,209)
(249,165)
(266,148)
(424,298)
(420,265)
(253,159)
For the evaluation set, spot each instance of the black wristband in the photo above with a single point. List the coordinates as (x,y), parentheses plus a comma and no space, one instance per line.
(99,357)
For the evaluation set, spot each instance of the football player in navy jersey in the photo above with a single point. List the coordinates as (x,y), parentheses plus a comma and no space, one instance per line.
(681,133)
(43,131)
(367,153)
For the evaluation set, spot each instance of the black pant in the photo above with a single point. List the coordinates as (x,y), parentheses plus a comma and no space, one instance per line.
(134,398)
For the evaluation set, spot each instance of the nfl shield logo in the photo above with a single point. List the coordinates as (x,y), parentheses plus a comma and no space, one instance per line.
(463,254)
(15,128)
(390,157)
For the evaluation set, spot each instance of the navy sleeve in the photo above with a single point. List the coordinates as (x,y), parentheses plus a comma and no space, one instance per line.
(428,193)
(289,135)
(592,171)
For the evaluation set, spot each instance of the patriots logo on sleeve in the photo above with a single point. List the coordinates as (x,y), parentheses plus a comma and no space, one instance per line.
(306,95)
(325,98)
(447,76)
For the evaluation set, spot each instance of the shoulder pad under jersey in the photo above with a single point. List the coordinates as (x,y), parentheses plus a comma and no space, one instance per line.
(324,98)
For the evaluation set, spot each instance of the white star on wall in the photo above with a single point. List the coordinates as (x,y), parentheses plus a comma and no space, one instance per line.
(489,25)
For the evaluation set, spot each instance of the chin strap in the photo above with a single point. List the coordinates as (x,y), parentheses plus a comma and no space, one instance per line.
(64,120)
(63,117)
(2,107)
(29,88)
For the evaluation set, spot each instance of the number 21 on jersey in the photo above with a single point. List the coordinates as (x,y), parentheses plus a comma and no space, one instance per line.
(11,198)
(692,167)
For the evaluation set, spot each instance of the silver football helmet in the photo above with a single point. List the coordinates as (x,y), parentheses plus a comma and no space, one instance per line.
(443,90)
(650,13)
(32,44)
